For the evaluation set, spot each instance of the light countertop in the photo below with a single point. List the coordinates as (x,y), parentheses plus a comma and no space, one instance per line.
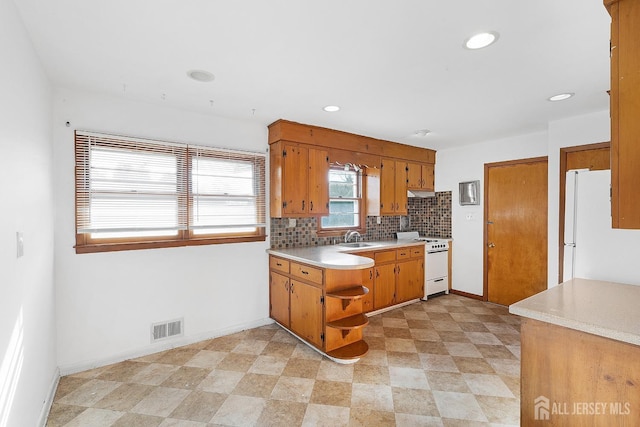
(600,308)
(336,256)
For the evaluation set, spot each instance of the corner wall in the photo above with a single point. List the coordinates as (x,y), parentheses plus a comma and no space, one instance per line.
(107,302)
(27,313)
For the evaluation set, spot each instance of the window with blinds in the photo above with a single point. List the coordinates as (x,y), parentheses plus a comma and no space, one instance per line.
(134,193)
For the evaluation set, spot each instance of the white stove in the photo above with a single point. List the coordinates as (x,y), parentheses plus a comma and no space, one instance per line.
(431,244)
(436,262)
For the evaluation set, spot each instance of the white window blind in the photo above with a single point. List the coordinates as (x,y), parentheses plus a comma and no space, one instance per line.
(130,190)
(227,191)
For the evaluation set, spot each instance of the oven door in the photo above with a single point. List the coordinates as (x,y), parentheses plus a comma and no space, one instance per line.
(436,264)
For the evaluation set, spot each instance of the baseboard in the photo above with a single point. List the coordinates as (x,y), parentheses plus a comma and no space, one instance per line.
(46,406)
(466,294)
(158,347)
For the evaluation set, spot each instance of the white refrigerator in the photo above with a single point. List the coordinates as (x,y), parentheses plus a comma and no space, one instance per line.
(592,249)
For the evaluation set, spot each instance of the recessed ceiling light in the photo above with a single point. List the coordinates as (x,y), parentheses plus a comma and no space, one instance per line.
(331,108)
(480,40)
(200,75)
(560,97)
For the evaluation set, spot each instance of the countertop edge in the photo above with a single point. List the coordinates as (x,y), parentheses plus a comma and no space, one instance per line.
(576,325)
(342,253)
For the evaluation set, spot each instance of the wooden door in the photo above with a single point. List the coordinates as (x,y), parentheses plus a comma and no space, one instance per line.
(400,189)
(410,280)
(295,183)
(318,182)
(279,298)
(516,230)
(306,311)
(387,186)
(384,285)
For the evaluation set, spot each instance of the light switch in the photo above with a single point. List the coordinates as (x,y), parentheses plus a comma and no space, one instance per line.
(19,244)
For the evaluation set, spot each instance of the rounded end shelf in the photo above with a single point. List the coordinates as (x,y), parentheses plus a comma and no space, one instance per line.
(350,293)
(352,351)
(349,323)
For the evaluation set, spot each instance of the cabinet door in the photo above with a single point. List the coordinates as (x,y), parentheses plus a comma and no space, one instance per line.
(625,110)
(306,312)
(387,186)
(414,176)
(367,282)
(428,178)
(410,280)
(279,298)
(384,285)
(400,184)
(295,180)
(318,182)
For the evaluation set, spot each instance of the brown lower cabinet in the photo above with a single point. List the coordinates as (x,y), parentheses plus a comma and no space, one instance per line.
(321,306)
(573,378)
(397,277)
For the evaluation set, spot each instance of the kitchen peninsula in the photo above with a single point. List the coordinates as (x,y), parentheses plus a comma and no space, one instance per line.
(580,351)
(321,294)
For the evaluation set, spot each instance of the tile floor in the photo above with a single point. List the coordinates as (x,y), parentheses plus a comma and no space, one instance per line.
(449,361)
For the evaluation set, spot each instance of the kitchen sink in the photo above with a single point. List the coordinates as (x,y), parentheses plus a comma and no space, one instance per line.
(356,244)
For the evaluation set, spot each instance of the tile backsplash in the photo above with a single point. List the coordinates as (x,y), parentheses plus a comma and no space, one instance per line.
(429,216)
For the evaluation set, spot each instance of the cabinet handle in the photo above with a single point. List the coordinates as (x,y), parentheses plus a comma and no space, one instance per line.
(278,264)
(303,205)
(304,272)
(370,274)
(291,288)
(439,280)
(377,273)
(311,205)
(286,285)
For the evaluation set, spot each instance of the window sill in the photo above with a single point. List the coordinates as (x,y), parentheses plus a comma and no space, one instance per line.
(114,247)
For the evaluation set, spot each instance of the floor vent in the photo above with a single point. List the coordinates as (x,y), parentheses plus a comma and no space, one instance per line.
(163,330)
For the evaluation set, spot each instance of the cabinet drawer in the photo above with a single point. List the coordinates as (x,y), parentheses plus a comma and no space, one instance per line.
(404,253)
(279,264)
(385,256)
(417,251)
(308,273)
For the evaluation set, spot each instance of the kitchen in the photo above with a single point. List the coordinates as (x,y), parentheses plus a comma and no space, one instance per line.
(105,319)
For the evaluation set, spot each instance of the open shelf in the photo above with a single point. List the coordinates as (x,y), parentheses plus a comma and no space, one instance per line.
(351,322)
(351,351)
(350,293)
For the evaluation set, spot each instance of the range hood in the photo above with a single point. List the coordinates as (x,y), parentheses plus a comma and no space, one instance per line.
(420,193)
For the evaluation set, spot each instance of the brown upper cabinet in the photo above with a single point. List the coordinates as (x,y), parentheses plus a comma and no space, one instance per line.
(625,110)
(393,187)
(299,180)
(300,156)
(420,176)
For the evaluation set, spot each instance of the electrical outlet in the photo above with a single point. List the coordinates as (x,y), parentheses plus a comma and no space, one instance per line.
(378,220)
(292,222)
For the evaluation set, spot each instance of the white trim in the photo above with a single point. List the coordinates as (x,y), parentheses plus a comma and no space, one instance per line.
(392,307)
(162,346)
(46,406)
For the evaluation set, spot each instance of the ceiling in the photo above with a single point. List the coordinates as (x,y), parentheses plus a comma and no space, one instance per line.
(393,67)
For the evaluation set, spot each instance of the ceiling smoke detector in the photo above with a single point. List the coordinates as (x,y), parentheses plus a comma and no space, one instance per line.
(331,108)
(200,75)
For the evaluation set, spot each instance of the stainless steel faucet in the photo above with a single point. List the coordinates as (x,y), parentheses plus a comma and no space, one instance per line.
(351,233)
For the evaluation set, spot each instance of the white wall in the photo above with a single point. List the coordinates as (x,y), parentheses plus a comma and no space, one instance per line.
(27,317)
(107,301)
(467,164)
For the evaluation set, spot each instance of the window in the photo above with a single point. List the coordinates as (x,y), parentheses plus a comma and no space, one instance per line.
(344,200)
(134,193)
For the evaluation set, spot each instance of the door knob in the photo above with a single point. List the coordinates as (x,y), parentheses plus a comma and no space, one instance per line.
(491,245)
